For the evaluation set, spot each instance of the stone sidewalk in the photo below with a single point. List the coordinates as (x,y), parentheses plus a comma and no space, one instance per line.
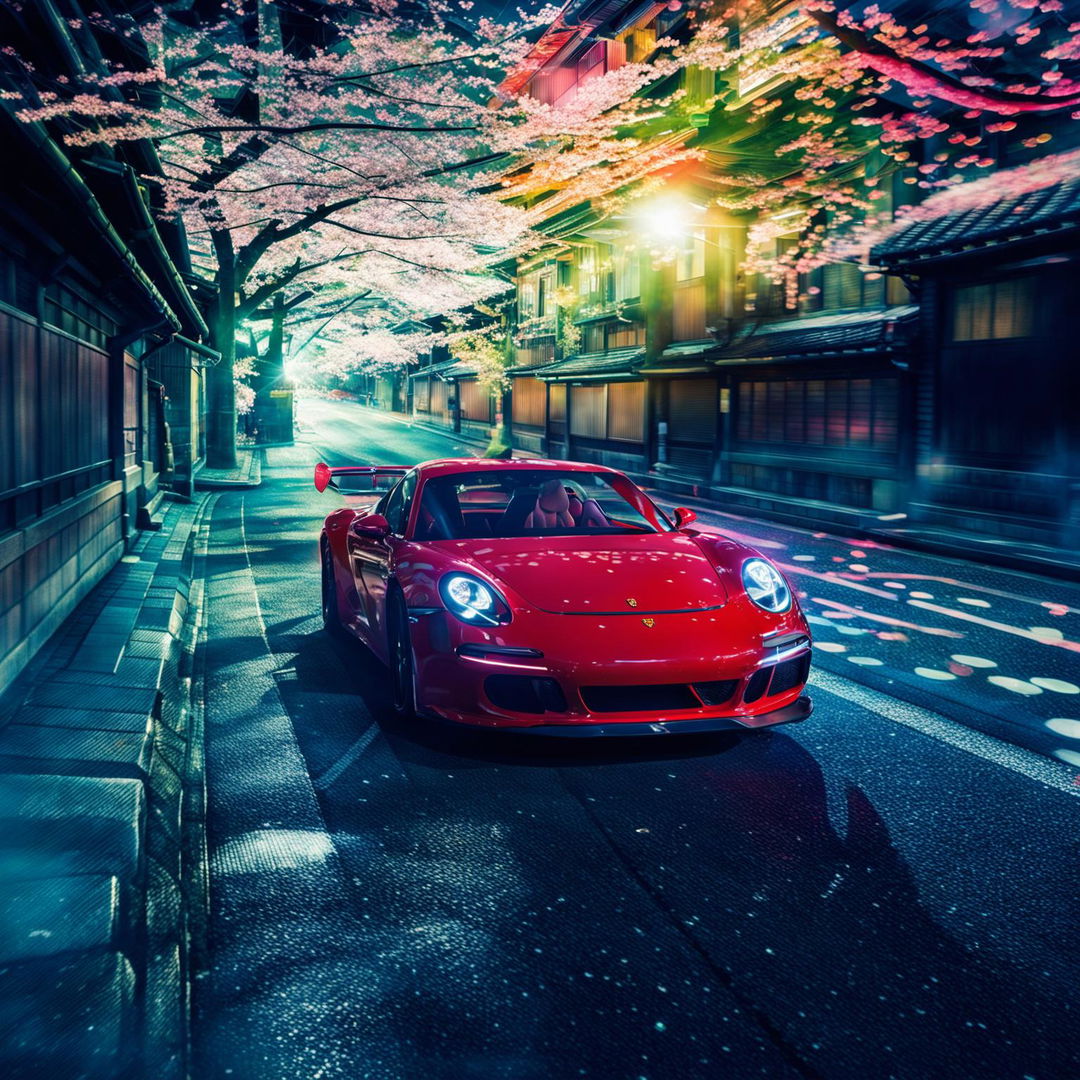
(247,474)
(99,779)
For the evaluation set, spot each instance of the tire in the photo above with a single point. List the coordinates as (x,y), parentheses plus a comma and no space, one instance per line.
(402,679)
(331,613)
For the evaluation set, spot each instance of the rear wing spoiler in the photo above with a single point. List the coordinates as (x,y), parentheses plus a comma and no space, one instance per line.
(358,479)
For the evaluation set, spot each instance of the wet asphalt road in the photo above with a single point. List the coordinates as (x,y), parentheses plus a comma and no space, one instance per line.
(889,890)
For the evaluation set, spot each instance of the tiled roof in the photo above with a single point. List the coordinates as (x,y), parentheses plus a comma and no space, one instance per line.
(822,335)
(448,369)
(1051,209)
(682,358)
(610,363)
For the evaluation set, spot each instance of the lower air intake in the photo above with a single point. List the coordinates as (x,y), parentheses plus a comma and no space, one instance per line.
(790,674)
(521,693)
(755,687)
(715,693)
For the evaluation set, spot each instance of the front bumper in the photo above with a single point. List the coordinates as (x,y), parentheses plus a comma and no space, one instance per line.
(790,714)
(721,670)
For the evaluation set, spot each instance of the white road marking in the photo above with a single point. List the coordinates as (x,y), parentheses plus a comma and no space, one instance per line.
(993,625)
(251,573)
(1014,758)
(335,771)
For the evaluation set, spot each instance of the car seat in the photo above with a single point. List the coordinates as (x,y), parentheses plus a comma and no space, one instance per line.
(439,520)
(552,508)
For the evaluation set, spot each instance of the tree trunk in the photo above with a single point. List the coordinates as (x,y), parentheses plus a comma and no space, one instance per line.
(221,419)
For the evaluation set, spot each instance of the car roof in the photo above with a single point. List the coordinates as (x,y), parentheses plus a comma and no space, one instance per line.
(442,466)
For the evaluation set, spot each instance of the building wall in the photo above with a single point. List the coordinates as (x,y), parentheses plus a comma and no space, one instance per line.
(606,423)
(175,367)
(830,434)
(63,510)
(999,452)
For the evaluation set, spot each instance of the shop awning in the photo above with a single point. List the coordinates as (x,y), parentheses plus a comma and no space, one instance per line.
(448,370)
(838,334)
(683,358)
(611,364)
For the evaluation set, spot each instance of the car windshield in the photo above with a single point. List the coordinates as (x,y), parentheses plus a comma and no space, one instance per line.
(533,502)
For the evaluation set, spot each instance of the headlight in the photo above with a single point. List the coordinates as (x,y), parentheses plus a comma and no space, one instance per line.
(473,600)
(765,585)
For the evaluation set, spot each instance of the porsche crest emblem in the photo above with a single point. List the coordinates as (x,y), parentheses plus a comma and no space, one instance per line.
(631,601)
(649,622)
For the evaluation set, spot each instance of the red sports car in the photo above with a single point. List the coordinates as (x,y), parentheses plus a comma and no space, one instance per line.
(555,597)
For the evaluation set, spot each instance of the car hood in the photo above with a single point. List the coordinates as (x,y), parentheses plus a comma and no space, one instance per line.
(622,575)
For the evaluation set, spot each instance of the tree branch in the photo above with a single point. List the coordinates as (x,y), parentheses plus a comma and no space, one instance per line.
(272,234)
(299,129)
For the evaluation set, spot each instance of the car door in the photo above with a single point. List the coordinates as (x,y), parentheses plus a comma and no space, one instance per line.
(375,561)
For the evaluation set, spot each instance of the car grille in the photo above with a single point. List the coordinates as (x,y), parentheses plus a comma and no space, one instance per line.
(666,697)
(756,685)
(715,693)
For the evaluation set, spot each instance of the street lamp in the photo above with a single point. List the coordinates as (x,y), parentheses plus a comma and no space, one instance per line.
(667,220)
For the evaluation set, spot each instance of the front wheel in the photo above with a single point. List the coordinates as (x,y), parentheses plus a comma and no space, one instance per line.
(401,657)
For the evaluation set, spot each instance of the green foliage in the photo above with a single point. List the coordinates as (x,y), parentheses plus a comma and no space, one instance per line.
(484,351)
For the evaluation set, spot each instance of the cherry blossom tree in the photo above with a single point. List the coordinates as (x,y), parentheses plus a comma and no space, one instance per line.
(822,112)
(858,102)
(375,153)
(338,147)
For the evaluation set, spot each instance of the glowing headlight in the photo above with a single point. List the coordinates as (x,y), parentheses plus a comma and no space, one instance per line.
(765,585)
(472,600)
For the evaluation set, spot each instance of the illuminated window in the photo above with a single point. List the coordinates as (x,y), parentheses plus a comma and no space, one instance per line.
(997,310)
(527,299)
(626,411)
(691,258)
(699,84)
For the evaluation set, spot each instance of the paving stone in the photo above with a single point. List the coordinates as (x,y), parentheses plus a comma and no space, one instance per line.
(74,751)
(56,825)
(67,1018)
(96,678)
(89,719)
(142,671)
(156,618)
(48,916)
(151,647)
(111,698)
(153,602)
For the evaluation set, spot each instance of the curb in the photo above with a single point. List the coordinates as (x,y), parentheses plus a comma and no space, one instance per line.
(220,479)
(94,762)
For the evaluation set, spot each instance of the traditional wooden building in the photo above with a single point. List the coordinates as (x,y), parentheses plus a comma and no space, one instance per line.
(89,286)
(996,426)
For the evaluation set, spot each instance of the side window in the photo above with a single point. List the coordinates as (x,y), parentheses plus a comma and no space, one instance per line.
(398,502)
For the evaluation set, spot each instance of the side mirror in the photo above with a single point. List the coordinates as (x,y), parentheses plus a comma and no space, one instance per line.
(684,517)
(370,525)
(323,476)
